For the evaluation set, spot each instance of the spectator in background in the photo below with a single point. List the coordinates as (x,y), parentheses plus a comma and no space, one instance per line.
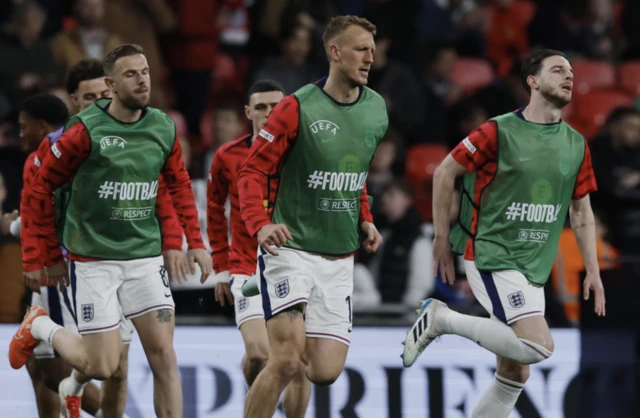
(598,38)
(27,62)
(504,95)
(394,18)
(631,29)
(228,124)
(440,91)
(461,22)
(291,69)
(191,51)
(89,39)
(381,172)
(402,267)
(465,117)
(396,82)
(507,35)
(569,265)
(141,22)
(616,162)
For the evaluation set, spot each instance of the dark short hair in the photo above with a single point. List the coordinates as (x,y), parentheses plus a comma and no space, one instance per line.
(46,107)
(86,69)
(263,86)
(620,113)
(339,24)
(124,50)
(533,64)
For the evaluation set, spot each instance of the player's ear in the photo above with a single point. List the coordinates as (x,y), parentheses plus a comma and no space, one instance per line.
(74,100)
(334,52)
(110,84)
(247,112)
(532,82)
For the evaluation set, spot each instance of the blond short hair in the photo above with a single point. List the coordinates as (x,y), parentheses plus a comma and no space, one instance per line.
(339,24)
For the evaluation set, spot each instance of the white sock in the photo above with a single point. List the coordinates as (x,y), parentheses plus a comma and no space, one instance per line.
(98,414)
(43,329)
(499,399)
(492,335)
(72,386)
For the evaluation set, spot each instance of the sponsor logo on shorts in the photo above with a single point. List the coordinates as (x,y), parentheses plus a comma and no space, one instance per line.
(128,191)
(243,304)
(337,205)
(282,288)
(266,135)
(469,145)
(532,212)
(533,235)
(334,181)
(112,141)
(87,312)
(131,214)
(516,300)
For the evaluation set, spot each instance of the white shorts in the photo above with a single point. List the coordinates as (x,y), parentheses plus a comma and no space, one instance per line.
(246,308)
(61,310)
(324,283)
(110,289)
(506,294)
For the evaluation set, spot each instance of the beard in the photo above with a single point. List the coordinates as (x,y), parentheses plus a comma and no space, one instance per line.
(552,97)
(134,103)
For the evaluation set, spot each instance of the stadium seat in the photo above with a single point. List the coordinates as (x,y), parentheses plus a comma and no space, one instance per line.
(422,160)
(420,164)
(473,74)
(629,77)
(592,109)
(525,9)
(590,75)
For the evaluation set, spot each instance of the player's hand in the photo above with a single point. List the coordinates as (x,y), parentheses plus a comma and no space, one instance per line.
(58,274)
(200,256)
(273,235)
(443,260)
(223,293)
(593,282)
(175,262)
(373,240)
(5,223)
(34,279)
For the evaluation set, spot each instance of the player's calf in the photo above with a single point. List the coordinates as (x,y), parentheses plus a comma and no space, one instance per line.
(252,365)
(325,360)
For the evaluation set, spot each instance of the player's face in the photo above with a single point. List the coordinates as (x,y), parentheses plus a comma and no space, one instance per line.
(260,106)
(32,130)
(89,91)
(131,81)
(354,54)
(555,82)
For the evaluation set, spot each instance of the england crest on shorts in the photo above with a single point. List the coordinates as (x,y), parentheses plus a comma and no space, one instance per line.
(282,288)
(243,304)
(87,312)
(516,300)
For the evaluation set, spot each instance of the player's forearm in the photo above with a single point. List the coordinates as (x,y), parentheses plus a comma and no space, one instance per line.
(218,234)
(365,208)
(251,200)
(584,228)
(443,186)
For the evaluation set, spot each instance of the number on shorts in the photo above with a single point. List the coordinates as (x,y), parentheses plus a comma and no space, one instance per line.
(164,277)
(348,300)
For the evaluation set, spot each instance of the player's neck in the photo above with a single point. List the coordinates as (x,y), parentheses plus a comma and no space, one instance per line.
(541,111)
(340,89)
(122,114)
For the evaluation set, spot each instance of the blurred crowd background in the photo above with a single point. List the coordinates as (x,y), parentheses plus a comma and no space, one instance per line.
(443,66)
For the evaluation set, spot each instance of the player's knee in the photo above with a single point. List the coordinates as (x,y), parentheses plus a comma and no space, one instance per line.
(324,376)
(286,368)
(162,360)
(101,370)
(514,371)
(254,362)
